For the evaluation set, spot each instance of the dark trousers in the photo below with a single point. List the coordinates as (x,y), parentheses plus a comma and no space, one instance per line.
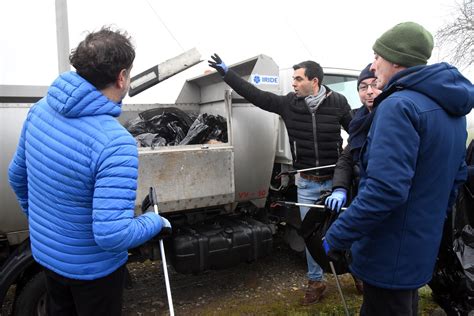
(378,301)
(68,297)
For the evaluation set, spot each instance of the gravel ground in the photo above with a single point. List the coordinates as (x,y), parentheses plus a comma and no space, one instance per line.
(213,292)
(271,286)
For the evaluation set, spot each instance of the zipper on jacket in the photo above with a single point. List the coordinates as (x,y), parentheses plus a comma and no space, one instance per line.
(294,150)
(315,137)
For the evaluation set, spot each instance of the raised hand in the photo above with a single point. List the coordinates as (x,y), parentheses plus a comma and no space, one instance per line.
(218,64)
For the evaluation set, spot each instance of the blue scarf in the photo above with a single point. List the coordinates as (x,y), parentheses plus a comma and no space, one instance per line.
(359,129)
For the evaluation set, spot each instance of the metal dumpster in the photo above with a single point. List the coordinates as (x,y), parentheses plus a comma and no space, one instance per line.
(189,177)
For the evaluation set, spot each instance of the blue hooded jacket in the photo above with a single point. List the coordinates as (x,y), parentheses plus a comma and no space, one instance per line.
(75,175)
(411,164)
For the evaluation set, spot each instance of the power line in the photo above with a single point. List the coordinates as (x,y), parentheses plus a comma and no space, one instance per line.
(302,42)
(163,23)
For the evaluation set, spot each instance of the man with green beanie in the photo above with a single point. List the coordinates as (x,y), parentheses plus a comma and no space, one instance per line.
(410,166)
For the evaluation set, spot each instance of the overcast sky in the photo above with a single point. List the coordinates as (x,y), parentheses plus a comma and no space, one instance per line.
(333,33)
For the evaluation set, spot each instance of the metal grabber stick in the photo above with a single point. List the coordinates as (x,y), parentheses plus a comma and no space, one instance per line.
(276,203)
(163,256)
(339,287)
(302,170)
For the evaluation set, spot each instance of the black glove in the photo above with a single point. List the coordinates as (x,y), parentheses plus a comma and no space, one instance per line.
(338,257)
(166,229)
(218,64)
(148,205)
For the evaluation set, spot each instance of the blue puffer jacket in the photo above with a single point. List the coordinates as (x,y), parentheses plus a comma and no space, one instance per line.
(75,175)
(411,162)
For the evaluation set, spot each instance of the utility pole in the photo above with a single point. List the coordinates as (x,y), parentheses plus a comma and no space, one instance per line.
(62,35)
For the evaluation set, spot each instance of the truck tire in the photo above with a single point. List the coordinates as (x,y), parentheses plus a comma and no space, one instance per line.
(32,298)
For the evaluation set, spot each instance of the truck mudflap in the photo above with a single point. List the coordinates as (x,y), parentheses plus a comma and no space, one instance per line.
(20,260)
(223,243)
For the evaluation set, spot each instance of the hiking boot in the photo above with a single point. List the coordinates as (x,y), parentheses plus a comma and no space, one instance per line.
(314,292)
(359,285)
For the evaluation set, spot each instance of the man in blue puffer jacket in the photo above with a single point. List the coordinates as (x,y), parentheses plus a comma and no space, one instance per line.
(411,165)
(75,175)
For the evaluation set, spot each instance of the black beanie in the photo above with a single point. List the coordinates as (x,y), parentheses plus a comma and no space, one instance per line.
(407,44)
(365,74)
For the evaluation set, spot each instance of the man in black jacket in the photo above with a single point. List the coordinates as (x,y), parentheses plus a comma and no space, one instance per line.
(313,116)
(346,174)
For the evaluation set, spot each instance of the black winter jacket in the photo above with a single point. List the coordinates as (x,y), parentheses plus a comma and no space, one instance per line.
(315,138)
(345,173)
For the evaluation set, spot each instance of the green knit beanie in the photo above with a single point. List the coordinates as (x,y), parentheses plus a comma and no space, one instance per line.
(407,44)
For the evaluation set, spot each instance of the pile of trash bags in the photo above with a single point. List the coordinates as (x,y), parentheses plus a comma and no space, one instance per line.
(172,126)
(453,279)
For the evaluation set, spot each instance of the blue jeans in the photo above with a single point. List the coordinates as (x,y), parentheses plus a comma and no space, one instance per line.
(308,192)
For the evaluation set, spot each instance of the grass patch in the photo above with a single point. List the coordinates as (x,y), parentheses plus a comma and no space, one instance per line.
(286,302)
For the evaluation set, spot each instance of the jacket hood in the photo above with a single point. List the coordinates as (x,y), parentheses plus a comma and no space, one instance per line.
(73,96)
(441,82)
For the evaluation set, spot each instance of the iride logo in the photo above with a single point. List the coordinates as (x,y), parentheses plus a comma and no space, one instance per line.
(264,79)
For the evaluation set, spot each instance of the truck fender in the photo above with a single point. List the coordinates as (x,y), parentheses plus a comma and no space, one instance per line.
(19,261)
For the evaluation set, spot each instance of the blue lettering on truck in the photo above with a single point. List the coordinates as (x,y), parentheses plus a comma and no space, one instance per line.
(263,79)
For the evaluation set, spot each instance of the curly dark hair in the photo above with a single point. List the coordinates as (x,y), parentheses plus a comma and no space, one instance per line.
(101,56)
(311,70)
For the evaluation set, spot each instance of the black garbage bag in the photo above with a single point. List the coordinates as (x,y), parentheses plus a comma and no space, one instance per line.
(464,249)
(172,124)
(136,126)
(453,277)
(179,114)
(150,140)
(219,128)
(205,128)
(197,133)
(314,227)
(178,131)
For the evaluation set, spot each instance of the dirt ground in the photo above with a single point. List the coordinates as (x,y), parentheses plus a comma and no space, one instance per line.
(271,286)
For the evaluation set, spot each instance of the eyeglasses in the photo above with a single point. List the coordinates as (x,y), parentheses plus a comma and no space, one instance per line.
(364,86)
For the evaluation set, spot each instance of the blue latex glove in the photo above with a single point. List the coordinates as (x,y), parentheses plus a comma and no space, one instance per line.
(336,200)
(218,64)
(326,246)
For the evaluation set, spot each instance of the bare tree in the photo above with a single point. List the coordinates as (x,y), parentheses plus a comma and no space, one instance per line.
(457,37)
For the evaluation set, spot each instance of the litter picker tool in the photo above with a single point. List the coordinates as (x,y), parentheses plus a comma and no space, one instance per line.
(278,176)
(331,258)
(276,203)
(154,202)
(339,287)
